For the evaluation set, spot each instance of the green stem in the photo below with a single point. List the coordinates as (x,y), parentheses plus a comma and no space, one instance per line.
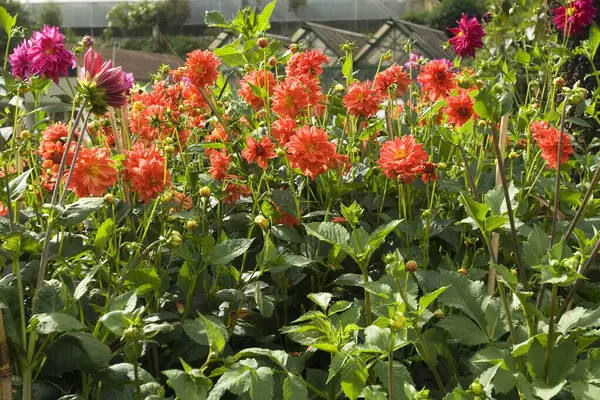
(136,372)
(368,314)
(391,369)
(429,362)
(550,343)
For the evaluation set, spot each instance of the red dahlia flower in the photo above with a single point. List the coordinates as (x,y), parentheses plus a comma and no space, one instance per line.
(219,164)
(283,129)
(547,138)
(259,151)
(102,83)
(460,108)
(362,99)
(402,158)
(201,68)
(290,98)
(93,172)
(306,63)
(394,75)
(572,18)
(144,171)
(254,88)
(437,79)
(20,62)
(311,151)
(468,36)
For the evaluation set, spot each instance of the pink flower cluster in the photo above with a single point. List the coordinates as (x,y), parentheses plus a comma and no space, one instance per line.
(44,55)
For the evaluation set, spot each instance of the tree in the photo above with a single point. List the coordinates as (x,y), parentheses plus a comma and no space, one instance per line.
(447,12)
(50,15)
(176,13)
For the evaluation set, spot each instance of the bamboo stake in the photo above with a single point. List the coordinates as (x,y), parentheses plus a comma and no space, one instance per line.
(495,245)
(5,365)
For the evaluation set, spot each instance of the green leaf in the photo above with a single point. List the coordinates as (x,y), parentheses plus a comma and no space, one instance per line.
(286,234)
(485,104)
(216,334)
(354,377)
(347,68)
(594,40)
(104,234)
(294,388)
(494,222)
(547,392)
(230,249)
(401,377)
(264,304)
(261,384)
(535,249)
(116,321)
(463,329)
(145,280)
(463,294)
(80,210)
(48,298)
(215,19)
(18,185)
(429,298)
(82,286)
(76,351)
(56,323)
(329,232)
(477,211)
(236,380)
(562,362)
(377,238)
(586,390)
(379,337)
(336,365)
(8,21)
(321,299)
(187,386)
(265,15)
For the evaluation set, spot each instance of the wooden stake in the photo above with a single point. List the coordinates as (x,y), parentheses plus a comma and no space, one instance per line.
(495,245)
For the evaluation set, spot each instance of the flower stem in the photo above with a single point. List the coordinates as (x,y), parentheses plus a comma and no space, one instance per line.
(550,343)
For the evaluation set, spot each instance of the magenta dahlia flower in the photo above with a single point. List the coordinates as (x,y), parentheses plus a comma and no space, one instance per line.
(102,83)
(48,55)
(572,18)
(469,34)
(19,60)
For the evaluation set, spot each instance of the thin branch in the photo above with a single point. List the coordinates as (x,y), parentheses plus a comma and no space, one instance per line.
(557,181)
(586,199)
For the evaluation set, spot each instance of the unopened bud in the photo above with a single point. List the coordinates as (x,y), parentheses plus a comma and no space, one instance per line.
(109,198)
(191,224)
(280,152)
(263,42)
(513,154)
(205,191)
(411,266)
(293,48)
(339,88)
(261,221)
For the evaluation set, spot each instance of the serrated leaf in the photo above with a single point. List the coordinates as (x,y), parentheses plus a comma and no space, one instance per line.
(216,334)
(48,298)
(186,386)
(104,234)
(237,380)
(294,388)
(18,185)
(594,40)
(321,299)
(477,211)
(463,294)
(379,337)
(463,329)
(536,246)
(76,351)
(56,323)
(329,232)
(354,377)
(264,16)
(82,286)
(116,321)
(261,384)
(426,300)
(230,249)
(80,210)
(8,21)
(336,365)
(215,19)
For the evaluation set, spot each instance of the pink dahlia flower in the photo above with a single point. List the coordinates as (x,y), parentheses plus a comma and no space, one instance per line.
(19,60)
(572,18)
(469,34)
(48,55)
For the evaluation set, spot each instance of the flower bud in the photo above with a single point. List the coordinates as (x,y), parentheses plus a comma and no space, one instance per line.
(26,135)
(273,61)
(476,388)
(442,166)
(87,41)
(205,191)
(293,48)
(339,88)
(261,221)
(169,140)
(169,149)
(513,154)
(386,56)
(280,152)
(175,241)
(439,313)
(167,197)
(481,123)
(263,42)
(191,224)
(487,17)
(559,82)
(411,266)
(398,321)
(463,271)
(109,198)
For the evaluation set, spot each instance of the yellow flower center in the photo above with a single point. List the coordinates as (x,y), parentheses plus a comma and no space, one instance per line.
(460,33)
(94,171)
(400,153)
(570,11)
